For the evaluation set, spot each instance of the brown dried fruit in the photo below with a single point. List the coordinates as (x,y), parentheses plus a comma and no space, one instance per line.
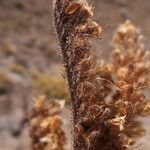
(72,8)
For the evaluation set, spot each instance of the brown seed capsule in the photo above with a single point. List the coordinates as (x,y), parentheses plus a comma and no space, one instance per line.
(96,29)
(92,29)
(88,10)
(72,8)
(78,131)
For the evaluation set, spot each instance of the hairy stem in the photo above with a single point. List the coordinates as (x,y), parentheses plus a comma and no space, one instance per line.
(74,27)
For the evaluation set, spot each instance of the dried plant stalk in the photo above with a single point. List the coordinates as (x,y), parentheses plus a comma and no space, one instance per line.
(45,126)
(105,101)
(74,28)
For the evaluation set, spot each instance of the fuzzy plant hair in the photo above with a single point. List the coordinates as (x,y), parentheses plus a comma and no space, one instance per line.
(104,104)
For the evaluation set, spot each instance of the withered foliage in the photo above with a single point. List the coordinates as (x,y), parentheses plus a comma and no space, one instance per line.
(106,99)
(45,126)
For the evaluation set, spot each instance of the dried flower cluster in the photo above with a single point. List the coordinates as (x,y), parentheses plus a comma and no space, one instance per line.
(74,27)
(130,69)
(45,126)
(106,99)
(103,107)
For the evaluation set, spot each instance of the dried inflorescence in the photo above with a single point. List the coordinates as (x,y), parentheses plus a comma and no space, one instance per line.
(130,60)
(130,69)
(74,27)
(45,126)
(105,100)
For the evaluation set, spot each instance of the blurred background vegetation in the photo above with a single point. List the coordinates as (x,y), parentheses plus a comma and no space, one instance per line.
(29,60)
